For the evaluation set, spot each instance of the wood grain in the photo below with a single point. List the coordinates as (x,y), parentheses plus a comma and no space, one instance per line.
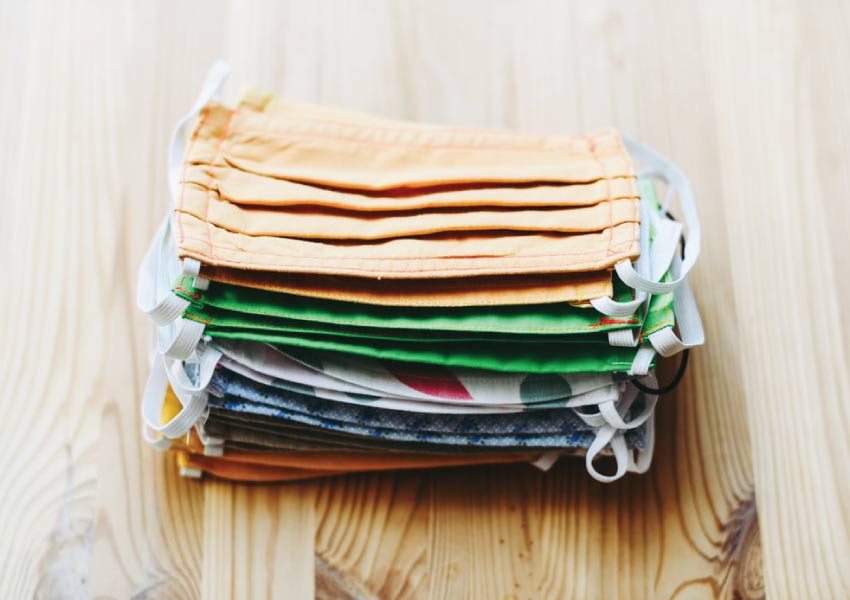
(751,99)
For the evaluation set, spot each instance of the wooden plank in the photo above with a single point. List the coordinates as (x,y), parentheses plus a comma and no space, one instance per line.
(796,381)
(751,100)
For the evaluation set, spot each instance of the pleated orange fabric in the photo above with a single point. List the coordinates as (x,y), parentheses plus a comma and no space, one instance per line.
(273,187)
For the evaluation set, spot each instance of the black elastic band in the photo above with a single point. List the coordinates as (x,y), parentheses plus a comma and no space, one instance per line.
(677,378)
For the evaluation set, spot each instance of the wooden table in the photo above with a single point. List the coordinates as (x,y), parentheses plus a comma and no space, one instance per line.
(751,99)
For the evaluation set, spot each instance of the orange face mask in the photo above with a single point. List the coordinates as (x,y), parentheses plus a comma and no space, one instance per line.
(474,291)
(275,187)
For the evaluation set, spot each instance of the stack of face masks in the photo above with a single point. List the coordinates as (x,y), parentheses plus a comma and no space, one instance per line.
(335,292)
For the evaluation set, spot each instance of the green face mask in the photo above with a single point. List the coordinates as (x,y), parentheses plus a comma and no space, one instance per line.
(569,339)
(234,305)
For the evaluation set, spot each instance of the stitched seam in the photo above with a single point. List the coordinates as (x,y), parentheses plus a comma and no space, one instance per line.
(391,204)
(237,250)
(314,135)
(382,372)
(669,320)
(590,226)
(320,261)
(189,315)
(414,126)
(218,154)
(630,167)
(330,330)
(592,292)
(212,246)
(407,203)
(195,134)
(604,172)
(341,371)
(590,328)
(493,269)
(183,290)
(358,350)
(593,284)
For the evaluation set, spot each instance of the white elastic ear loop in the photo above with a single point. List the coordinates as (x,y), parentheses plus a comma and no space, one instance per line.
(643,360)
(665,341)
(156,441)
(612,416)
(179,340)
(154,295)
(596,419)
(191,267)
(193,406)
(624,338)
(675,178)
(210,89)
(612,308)
(155,393)
(644,456)
(605,393)
(606,435)
(668,234)
(181,384)
(653,263)
(207,439)
(212,446)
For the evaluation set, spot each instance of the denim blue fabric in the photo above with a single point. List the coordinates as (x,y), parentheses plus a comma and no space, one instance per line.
(543,428)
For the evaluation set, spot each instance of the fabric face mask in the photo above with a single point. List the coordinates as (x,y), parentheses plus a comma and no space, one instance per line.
(409,258)
(249,301)
(643,281)
(353,461)
(315,224)
(608,393)
(261,466)
(549,440)
(257,467)
(536,320)
(452,292)
(411,161)
(468,291)
(344,151)
(249,190)
(542,357)
(547,319)
(227,384)
(230,308)
(538,354)
(195,465)
(359,375)
(626,410)
(230,325)
(238,430)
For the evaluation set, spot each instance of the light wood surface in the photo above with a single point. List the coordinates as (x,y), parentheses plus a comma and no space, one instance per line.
(751,99)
